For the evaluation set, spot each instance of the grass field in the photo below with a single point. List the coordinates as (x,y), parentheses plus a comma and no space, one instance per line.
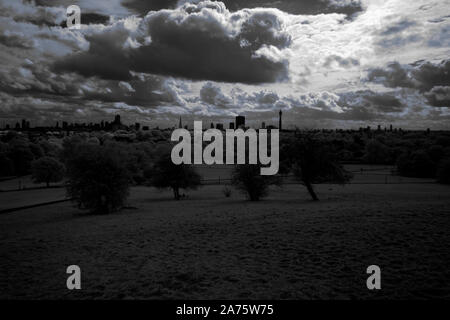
(209,246)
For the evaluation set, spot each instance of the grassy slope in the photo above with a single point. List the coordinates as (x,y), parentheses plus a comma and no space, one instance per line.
(211,247)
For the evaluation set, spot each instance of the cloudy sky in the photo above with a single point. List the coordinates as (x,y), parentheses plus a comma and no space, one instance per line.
(325,63)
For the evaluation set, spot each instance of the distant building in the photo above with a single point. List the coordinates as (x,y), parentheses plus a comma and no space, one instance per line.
(212,125)
(117,120)
(180,124)
(219,126)
(263,125)
(280,123)
(25,124)
(240,122)
(232,125)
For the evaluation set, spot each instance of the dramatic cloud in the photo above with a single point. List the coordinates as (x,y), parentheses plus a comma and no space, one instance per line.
(212,94)
(41,15)
(16,39)
(316,60)
(439,96)
(423,76)
(291,6)
(196,41)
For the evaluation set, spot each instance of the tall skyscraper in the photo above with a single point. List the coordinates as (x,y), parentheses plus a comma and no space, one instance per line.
(240,122)
(280,123)
(117,119)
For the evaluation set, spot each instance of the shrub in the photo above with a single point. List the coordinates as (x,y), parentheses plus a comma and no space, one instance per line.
(226,191)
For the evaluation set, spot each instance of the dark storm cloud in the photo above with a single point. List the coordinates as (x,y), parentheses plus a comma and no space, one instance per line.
(37,81)
(374,102)
(429,75)
(199,42)
(385,102)
(291,6)
(106,57)
(422,76)
(27,11)
(439,96)
(394,75)
(15,39)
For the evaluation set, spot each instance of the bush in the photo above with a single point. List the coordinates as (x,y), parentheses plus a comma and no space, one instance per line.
(98,178)
(248,178)
(443,172)
(226,191)
(47,169)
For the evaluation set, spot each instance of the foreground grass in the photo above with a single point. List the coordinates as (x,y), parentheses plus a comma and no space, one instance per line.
(211,247)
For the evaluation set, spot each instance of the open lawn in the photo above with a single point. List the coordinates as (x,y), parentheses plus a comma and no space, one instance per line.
(209,246)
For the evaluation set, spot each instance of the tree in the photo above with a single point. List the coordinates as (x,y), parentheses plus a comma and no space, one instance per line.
(417,164)
(165,174)
(248,178)
(47,169)
(376,153)
(443,172)
(6,166)
(98,179)
(21,155)
(312,162)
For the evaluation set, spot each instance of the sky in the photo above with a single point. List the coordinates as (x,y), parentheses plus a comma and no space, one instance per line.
(324,63)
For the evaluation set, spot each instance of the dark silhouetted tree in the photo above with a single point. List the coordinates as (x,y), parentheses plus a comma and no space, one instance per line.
(417,164)
(47,169)
(165,174)
(443,172)
(376,153)
(311,162)
(98,179)
(248,178)
(21,155)
(6,166)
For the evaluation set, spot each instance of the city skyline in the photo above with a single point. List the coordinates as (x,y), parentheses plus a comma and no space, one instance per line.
(326,64)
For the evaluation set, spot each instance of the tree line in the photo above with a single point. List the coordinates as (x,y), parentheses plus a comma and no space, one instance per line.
(98,173)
